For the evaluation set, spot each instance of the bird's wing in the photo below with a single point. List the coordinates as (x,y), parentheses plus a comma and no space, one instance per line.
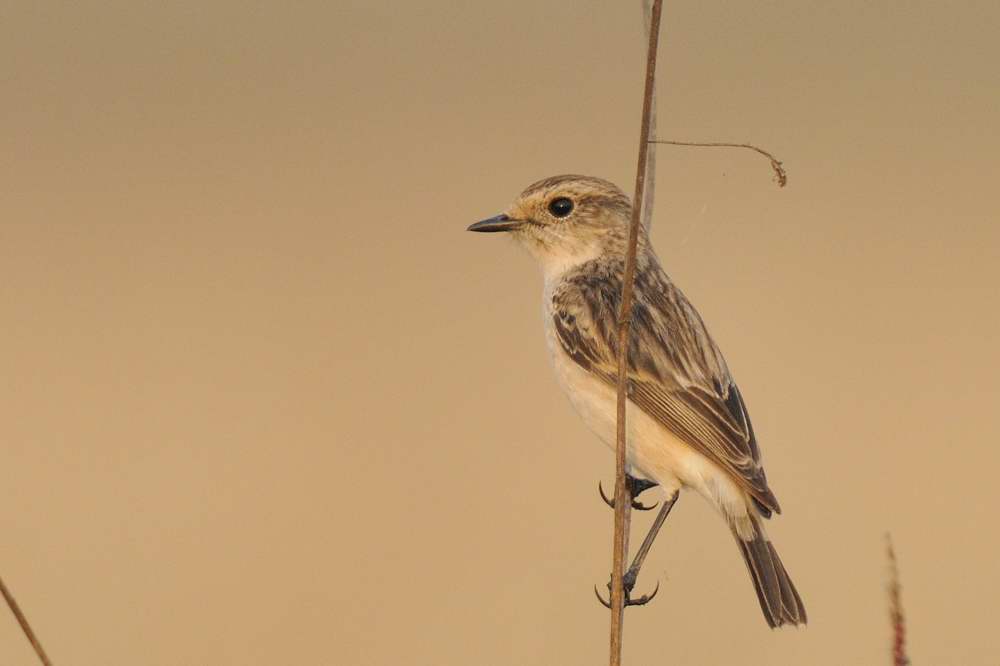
(676,373)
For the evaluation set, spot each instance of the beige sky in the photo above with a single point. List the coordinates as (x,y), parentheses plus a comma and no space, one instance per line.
(266,402)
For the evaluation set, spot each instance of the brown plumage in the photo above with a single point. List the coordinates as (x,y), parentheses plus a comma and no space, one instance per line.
(677,375)
(676,372)
(689,426)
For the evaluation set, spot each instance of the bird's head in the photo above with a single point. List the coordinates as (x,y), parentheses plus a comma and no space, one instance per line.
(565,221)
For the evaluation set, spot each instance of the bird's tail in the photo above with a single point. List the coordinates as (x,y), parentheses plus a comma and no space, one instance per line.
(778,597)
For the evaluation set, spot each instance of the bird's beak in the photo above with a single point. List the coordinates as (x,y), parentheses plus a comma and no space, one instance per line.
(498,223)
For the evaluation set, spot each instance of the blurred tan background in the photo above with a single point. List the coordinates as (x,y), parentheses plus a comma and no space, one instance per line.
(264,401)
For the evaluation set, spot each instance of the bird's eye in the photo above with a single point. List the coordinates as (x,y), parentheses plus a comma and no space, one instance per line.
(561,207)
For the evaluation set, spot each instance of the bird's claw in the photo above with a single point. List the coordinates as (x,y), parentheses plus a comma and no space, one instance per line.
(636,504)
(644,599)
(629,601)
(606,604)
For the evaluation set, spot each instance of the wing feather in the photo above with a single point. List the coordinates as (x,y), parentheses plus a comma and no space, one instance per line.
(677,374)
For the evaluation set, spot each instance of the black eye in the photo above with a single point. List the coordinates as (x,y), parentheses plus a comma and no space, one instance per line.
(561,207)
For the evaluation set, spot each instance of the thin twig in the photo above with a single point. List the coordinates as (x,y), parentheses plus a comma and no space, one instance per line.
(623,497)
(779,171)
(25,627)
(896,616)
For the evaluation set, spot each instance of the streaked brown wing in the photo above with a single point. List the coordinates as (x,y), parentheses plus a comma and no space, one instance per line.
(695,418)
(676,373)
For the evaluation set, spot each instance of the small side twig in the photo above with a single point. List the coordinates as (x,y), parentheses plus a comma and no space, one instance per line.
(896,616)
(23,621)
(779,171)
(623,497)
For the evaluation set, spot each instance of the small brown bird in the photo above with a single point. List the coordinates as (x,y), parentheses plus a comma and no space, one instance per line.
(688,426)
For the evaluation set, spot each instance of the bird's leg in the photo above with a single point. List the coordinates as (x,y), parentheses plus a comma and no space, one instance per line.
(635,486)
(628,581)
(633,571)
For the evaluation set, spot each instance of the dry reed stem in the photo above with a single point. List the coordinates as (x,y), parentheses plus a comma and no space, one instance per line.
(779,171)
(623,498)
(25,627)
(896,616)
(647,205)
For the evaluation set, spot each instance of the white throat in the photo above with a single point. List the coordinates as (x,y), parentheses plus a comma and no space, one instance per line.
(557,261)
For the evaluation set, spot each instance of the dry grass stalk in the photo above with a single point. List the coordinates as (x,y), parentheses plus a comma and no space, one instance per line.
(896,616)
(647,205)
(623,498)
(25,627)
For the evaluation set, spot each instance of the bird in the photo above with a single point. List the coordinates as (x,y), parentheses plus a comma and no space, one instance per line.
(688,425)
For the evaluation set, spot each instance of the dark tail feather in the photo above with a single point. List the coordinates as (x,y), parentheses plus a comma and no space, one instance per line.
(778,597)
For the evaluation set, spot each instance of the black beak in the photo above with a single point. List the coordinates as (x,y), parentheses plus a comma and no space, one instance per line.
(498,223)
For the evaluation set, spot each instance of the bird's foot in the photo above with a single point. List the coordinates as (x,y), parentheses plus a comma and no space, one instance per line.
(635,487)
(628,583)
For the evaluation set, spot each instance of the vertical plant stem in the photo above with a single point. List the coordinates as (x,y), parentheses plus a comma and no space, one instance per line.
(623,498)
(647,204)
(25,627)
(896,616)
